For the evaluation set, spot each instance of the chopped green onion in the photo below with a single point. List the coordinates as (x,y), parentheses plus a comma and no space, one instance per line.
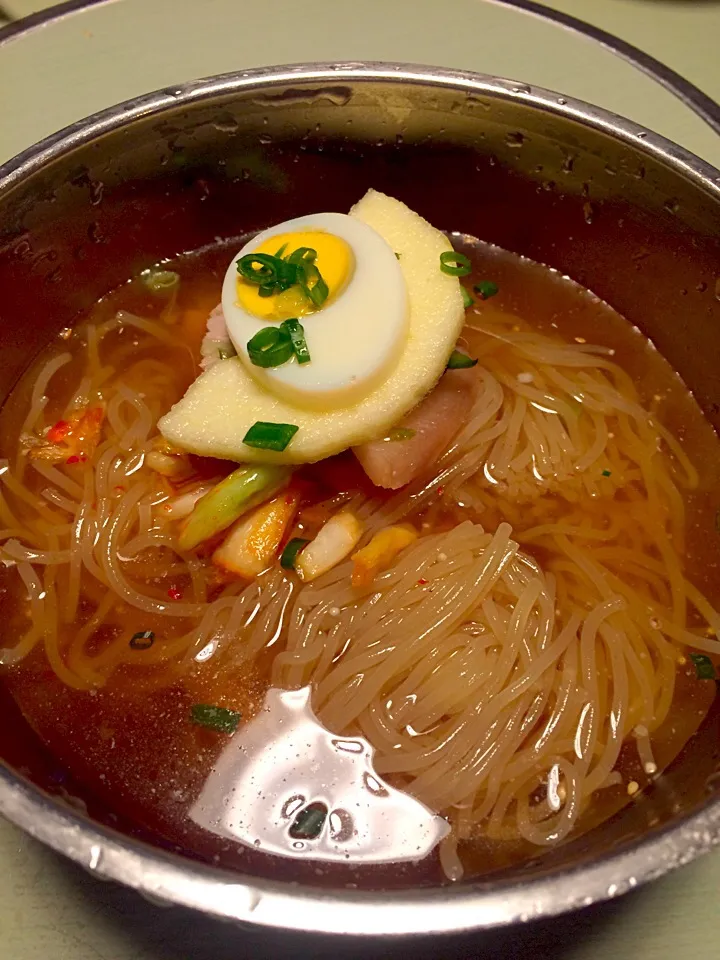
(143,640)
(397,256)
(704,669)
(296,332)
(216,718)
(270,436)
(455,264)
(274,275)
(607,473)
(270,347)
(226,352)
(467,299)
(309,823)
(459,361)
(281,251)
(486,289)
(160,281)
(259,268)
(289,554)
(240,491)
(303,255)
(400,433)
(311,283)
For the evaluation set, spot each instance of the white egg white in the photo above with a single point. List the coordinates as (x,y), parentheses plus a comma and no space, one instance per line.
(354,341)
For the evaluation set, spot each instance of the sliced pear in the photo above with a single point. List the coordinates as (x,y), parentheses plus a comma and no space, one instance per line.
(224,402)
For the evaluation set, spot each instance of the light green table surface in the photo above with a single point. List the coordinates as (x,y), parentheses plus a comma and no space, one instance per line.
(51,910)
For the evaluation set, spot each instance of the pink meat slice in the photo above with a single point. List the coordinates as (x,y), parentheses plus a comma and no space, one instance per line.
(216,339)
(436,420)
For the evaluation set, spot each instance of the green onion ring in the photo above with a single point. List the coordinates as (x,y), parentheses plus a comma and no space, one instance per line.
(264,274)
(455,264)
(270,347)
(296,332)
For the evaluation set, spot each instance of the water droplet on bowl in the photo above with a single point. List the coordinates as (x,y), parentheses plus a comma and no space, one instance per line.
(515,140)
(226,124)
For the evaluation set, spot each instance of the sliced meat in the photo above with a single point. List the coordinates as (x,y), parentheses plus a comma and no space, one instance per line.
(391,462)
(216,343)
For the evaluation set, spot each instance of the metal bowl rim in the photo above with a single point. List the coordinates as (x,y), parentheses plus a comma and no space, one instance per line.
(172,879)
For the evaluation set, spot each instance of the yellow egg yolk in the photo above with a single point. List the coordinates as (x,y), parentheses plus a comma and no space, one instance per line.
(334,260)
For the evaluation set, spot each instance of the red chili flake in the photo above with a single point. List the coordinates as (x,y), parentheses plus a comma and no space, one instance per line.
(58,432)
(440,491)
(83,457)
(174,593)
(73,459)
(422,581)
(119,488)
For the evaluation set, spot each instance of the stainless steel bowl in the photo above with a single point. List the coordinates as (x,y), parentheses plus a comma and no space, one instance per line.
(628,214)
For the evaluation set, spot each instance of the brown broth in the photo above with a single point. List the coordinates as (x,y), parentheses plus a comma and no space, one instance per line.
(130,745)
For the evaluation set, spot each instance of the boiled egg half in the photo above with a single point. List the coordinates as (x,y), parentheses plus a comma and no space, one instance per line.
(354,337)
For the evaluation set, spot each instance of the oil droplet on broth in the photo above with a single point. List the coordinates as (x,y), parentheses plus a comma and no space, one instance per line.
(285,760)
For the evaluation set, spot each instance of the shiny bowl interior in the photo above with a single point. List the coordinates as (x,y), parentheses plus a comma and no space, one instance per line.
(627,214)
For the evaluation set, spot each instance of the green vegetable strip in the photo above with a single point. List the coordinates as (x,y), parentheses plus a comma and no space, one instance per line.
(303,254)
(459,361)
(259,268)
(275,274)
(270,347)
(270,436)
(486,289)
(296,332)
(161,281)
(455,264)
(467,299)
(291,551)
(311,283)
(216,718)
(309,823)
(228,500)
(704,669)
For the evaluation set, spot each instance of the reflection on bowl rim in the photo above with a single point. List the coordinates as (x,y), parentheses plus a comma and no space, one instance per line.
(171,879)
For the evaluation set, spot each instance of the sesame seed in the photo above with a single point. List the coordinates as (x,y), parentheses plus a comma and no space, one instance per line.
(334,611)
(525,378)
(632,788)
(580,340)
(650,768)
(442,556)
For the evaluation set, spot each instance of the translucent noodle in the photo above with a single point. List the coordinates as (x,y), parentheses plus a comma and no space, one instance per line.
(498,667)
